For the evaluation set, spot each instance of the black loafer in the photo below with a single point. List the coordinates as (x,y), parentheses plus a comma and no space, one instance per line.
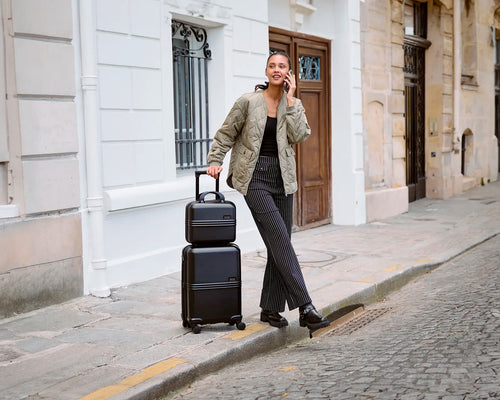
(273,318)
(311,318)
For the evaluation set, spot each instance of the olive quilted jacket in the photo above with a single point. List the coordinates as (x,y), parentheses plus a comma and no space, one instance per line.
(243,130)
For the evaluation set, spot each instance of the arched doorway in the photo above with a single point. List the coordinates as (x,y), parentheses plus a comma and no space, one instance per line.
(467,152)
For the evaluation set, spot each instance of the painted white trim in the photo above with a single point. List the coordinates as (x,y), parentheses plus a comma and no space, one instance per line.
(180,189)
(9,211)
(349,200)
(4,148)
(97,284)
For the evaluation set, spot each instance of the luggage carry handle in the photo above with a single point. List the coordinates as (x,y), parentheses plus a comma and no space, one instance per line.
(197,175)
(218,196)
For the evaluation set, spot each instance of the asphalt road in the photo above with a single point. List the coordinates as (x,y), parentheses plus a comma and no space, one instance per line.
(437,338)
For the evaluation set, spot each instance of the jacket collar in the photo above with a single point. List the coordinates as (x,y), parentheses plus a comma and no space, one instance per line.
(282,105)
(280,114)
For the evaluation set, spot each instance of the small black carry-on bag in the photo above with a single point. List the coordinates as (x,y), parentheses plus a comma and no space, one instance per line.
(210,221)
(211,269)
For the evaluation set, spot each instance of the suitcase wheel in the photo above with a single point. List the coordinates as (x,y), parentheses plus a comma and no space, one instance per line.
(241,325)
(196,329)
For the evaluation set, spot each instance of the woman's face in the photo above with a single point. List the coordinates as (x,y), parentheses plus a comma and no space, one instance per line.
(277,69)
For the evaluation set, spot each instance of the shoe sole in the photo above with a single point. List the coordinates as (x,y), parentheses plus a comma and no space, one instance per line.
(314,327)
(272,323)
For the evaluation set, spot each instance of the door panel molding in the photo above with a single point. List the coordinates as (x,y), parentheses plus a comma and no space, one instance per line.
(313,199)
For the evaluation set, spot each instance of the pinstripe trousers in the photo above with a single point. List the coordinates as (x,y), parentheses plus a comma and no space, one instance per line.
(272,212)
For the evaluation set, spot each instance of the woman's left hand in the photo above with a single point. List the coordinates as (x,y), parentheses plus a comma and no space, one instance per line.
(292,85)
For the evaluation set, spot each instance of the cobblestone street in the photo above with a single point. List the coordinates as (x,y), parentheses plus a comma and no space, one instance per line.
(437,338)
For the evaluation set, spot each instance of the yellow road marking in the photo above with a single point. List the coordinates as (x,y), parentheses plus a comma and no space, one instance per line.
(156,369)
(394,267)
(290,368)
(424,260)
(236,335)
(284,395)
(365,280)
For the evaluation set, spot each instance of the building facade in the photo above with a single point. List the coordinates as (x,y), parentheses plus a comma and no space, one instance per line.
(110,105)
(428,99)
(40,182)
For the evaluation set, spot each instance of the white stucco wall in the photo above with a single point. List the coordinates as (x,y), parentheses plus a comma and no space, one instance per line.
(349,203)
(144,194)
(339,21)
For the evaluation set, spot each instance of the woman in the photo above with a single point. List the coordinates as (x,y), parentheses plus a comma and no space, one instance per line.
(261,129)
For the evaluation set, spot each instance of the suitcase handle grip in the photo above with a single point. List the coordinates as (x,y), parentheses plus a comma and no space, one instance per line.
(197,175)
(218,196)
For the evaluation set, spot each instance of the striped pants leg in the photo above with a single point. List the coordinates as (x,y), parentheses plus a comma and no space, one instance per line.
(272,212)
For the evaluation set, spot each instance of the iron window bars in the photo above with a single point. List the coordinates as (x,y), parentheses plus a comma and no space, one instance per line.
(191,54)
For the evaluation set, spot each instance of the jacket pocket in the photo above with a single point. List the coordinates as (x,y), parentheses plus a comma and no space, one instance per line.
(289,152)
(240,171)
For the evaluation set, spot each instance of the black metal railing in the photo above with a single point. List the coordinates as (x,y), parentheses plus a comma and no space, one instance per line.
(190,56)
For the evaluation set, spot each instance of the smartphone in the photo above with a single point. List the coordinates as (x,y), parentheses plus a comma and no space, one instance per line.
(287,87)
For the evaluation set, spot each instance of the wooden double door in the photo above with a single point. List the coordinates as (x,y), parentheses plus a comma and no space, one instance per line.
(310,58)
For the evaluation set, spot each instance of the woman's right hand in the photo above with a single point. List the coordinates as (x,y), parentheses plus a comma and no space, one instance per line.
(214,170)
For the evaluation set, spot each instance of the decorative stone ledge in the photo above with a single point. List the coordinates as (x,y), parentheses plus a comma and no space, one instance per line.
(299,9)
(9,211)
(386,202)
(447,3)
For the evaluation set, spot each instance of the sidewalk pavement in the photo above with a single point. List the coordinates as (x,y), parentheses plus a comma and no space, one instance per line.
(132,345)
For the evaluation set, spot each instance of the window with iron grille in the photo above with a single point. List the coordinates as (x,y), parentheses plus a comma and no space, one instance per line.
(191,54)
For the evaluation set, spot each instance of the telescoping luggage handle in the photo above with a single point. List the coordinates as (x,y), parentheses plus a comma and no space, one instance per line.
(197,195)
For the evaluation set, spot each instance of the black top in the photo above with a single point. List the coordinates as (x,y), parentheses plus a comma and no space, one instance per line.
(269,145)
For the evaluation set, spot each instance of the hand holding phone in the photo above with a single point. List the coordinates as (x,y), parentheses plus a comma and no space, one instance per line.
(285,83)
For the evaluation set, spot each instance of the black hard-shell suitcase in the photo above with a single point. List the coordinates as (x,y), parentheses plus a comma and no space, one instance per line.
(210,221)
(211,286)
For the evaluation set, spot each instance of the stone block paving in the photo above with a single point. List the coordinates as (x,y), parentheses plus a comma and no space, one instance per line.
(440,339)
(132,345)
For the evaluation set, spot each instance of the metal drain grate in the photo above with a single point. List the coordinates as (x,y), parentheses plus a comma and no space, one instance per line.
(358,322)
